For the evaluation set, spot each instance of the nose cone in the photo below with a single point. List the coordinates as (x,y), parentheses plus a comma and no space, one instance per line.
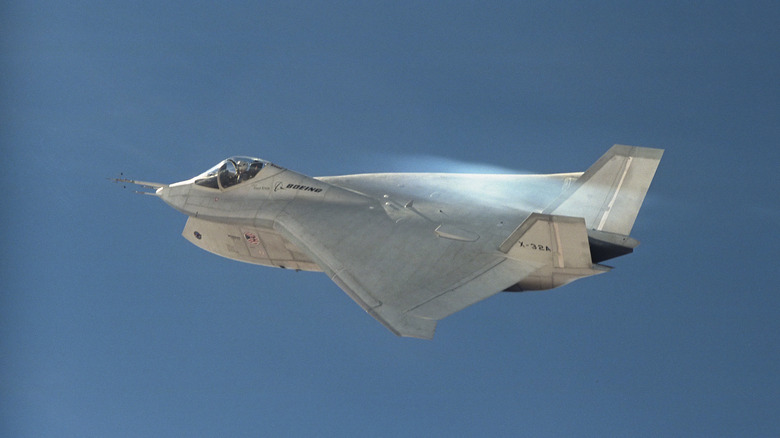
(175,195)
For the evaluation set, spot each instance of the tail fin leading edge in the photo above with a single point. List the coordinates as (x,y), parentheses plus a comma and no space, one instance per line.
(609,194)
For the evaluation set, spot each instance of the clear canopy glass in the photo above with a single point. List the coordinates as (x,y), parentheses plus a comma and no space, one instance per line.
(230,172)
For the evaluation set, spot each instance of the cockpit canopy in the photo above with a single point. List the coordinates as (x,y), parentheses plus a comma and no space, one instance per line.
(230,172)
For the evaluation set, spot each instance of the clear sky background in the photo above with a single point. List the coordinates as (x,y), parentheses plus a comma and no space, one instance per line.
(111,324)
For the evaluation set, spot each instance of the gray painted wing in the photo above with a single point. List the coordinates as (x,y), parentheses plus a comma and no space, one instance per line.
(404,274)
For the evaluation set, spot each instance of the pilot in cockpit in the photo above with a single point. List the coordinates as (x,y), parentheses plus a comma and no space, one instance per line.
(230,172)
(242,168)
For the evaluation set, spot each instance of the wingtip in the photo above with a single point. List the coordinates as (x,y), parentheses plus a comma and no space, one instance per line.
(636,151)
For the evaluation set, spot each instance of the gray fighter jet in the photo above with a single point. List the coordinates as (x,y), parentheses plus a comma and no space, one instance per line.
(413,248)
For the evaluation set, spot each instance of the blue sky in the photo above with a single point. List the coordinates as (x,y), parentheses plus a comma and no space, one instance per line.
(111,324)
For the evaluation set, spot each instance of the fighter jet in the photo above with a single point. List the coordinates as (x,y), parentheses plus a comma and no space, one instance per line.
(413,248)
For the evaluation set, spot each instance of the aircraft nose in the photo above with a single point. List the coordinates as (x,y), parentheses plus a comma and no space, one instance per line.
(174,195)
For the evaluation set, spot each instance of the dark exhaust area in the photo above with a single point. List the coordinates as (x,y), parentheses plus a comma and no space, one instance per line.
(606,246)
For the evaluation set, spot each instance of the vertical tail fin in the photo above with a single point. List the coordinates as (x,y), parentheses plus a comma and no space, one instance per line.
(609,194)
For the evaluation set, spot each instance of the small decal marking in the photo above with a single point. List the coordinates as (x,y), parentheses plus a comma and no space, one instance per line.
(252,238)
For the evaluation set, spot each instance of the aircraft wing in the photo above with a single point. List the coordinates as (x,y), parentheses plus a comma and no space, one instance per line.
(405,274)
